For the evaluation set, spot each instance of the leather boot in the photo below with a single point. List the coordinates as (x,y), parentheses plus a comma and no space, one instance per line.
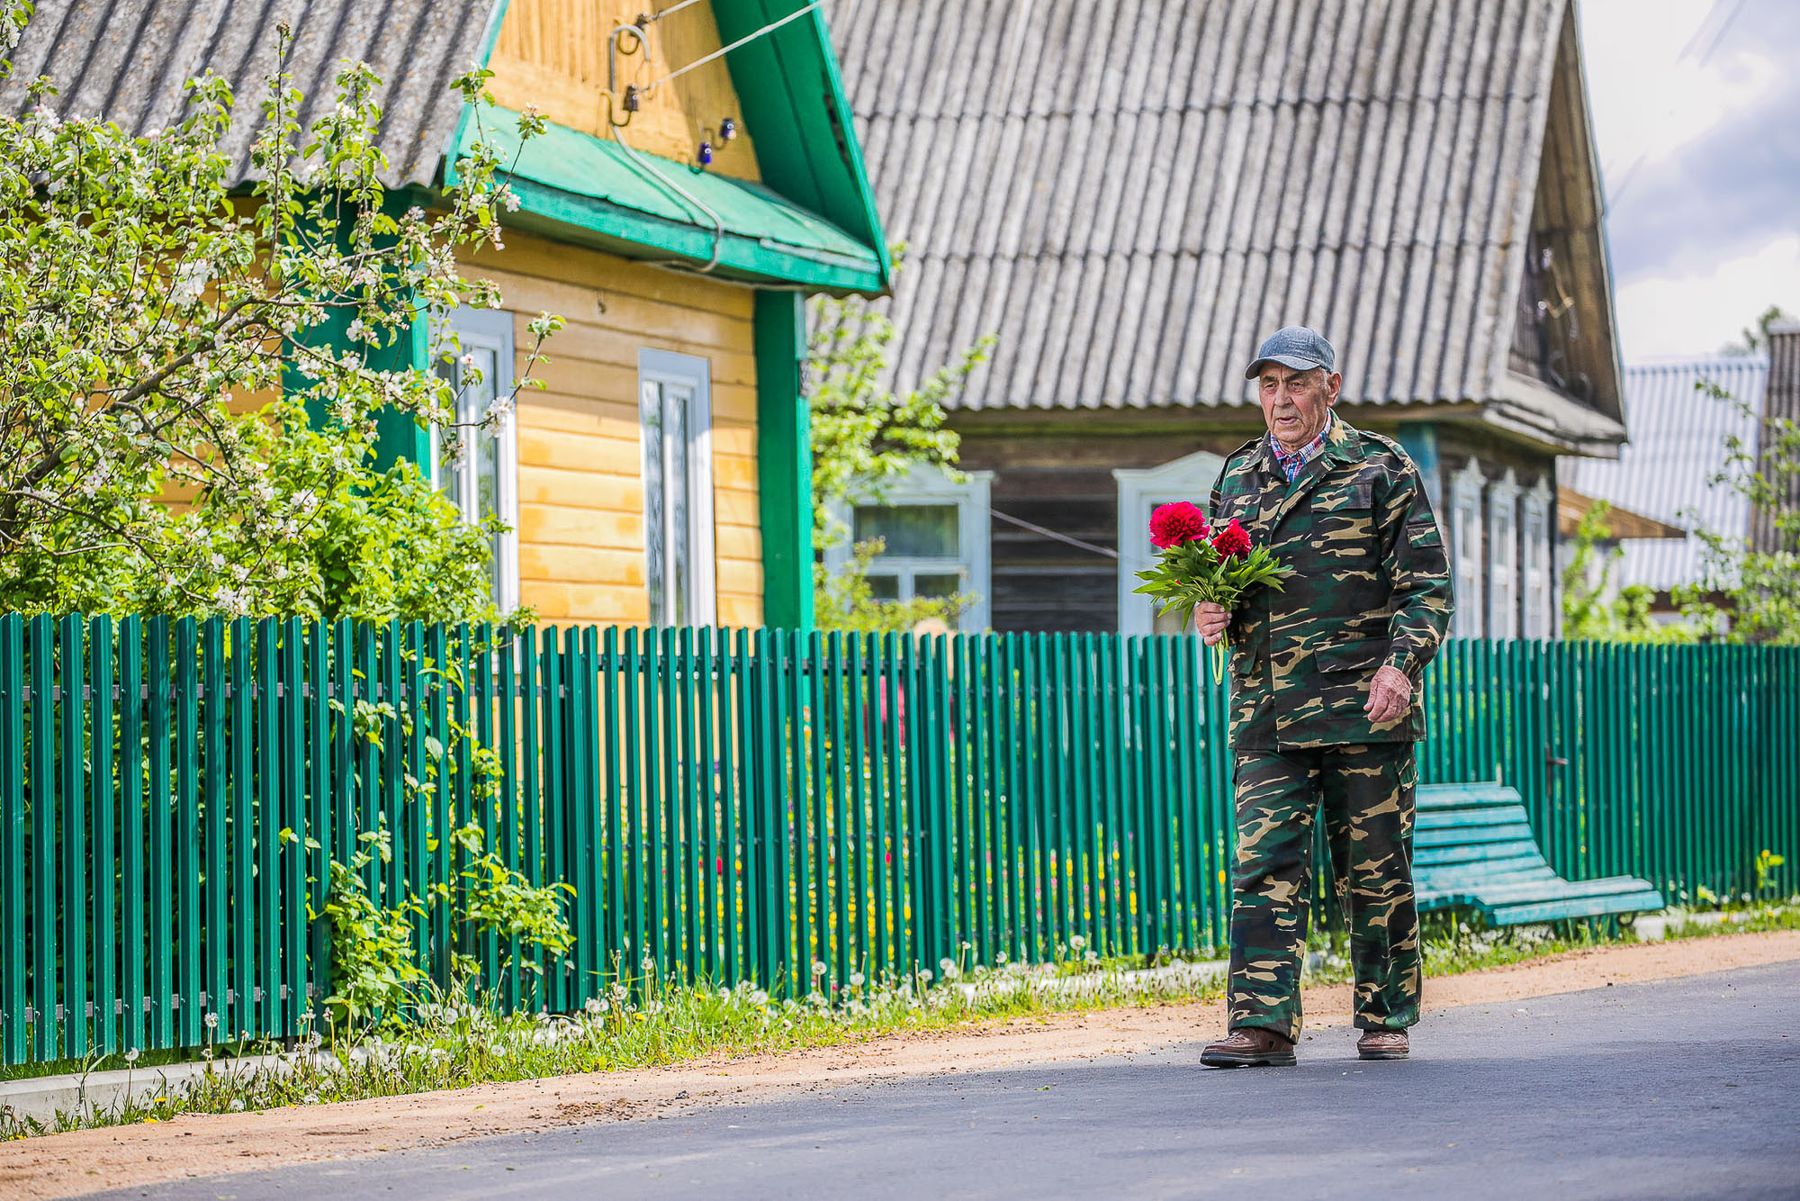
(1382,1044)
(1249,1047)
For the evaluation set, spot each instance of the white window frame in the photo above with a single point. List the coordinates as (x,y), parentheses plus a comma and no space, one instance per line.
(694,373)
(491,329)
(1141,490)
(1534,535)
(974,561)
(1504,568)
(1465,546)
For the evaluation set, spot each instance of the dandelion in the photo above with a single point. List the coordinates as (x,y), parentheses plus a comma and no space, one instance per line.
(212,1021)
(819,968)
(131,1056)
(237,1105)
(1077,942)
(759,998)
(648,963)
(856,979)
(925,975)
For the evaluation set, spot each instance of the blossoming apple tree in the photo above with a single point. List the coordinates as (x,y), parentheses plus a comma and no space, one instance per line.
(179,434)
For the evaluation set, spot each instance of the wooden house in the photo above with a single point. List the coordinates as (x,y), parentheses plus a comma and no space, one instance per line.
(699,176)
(1132,194)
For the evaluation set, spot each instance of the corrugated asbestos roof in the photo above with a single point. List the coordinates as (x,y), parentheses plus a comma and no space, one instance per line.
(1131,192)
(128,59)
(1677,445)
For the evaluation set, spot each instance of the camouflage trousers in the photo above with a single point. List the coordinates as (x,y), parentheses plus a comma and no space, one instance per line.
(1367,795)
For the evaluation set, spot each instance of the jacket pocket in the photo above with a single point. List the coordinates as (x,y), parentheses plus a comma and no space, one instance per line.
(1362,654)
(1347,498)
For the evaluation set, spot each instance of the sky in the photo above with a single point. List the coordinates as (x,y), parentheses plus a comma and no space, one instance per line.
(1696,109)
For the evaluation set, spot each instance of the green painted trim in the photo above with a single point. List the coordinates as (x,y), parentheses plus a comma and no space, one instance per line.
(1419,440)
(492,34)
(398,435)
(852,147)
(591,221)
(581,188)
(488,39)
(806,142)
(783,461)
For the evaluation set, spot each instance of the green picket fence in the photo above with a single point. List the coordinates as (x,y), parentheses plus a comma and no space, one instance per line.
(798,810)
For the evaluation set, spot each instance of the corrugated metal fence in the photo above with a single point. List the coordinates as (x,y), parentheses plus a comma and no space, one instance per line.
(740,805)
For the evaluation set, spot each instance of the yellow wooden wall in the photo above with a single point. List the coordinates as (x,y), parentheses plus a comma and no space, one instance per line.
(552,53)
(581,499)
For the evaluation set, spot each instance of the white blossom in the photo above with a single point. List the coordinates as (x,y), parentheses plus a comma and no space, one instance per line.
(190,283)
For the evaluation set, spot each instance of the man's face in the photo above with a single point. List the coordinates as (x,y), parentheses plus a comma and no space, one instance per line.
(1296,404)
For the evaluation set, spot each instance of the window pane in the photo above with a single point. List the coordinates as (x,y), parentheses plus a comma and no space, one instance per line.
(914,531)
(675,419)
(884,587)
(937,584)
(655,544)
(476,378)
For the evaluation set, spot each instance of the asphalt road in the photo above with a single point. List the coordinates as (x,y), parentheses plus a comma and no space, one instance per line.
(1686,1089)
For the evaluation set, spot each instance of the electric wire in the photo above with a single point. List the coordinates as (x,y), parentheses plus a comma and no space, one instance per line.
(1630,172)
(1077,543)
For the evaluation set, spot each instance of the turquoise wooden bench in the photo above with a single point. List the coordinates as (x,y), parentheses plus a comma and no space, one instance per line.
(1473,848)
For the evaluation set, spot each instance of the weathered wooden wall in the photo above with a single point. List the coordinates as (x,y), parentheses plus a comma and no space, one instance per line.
(1060,477)
(552,53)
(581,498)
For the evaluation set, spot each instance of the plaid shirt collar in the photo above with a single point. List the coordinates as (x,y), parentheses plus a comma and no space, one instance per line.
(1292,463)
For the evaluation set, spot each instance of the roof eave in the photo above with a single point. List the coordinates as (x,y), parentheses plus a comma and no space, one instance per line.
(1544,417)
(807,152)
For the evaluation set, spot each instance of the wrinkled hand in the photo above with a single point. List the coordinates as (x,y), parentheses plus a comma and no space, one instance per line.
(1390,695)
(1210,620)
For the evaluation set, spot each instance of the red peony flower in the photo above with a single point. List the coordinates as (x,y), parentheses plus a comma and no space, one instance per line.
(1232,541)
(1171,525)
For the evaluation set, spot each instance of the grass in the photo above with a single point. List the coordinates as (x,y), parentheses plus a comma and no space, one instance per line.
(1748,919)
(656,1022)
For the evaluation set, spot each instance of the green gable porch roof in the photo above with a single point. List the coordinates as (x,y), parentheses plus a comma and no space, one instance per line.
(795,105)
(811,225)
(812,222)
(576,186)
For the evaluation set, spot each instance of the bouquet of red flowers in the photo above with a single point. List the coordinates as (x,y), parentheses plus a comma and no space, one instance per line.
(1202,564)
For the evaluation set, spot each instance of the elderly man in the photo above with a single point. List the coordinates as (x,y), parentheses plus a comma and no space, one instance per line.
(1325,701)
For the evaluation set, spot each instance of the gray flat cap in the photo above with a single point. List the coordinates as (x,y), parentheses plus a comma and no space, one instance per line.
(1297,346)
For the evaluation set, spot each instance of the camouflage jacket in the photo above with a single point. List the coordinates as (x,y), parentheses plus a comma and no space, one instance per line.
(1370,586)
